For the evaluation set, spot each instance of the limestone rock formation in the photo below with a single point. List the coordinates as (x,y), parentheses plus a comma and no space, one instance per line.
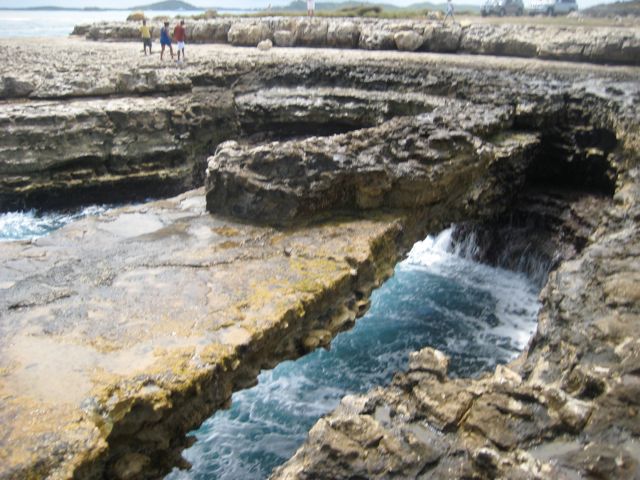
(84,148)
(141,323)
(283,38)
(563,42)
(343,35)
(408,40)
(310,33)
(283,112)
(558,411)
(248,34)
(405,163)
(108,362)
(265,45)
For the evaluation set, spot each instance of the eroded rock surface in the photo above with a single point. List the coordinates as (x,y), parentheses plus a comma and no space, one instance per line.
(139,324)
(121,147)
(148,126)
(407,163)
(120,333)
(568,407)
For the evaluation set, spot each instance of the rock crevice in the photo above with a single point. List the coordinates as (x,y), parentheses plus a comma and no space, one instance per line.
(150,316)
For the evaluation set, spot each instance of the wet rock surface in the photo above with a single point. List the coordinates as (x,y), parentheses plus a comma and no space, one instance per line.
(566,408)
(121,333)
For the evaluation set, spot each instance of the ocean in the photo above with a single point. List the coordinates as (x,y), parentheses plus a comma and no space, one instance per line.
(60,23)
(478,315)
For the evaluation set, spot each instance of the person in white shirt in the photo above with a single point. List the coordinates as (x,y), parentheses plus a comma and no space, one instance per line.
(449,12)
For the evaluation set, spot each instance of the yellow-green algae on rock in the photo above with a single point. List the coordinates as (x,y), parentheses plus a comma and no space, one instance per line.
(122,332)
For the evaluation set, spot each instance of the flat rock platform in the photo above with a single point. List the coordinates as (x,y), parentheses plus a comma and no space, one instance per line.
(110,323)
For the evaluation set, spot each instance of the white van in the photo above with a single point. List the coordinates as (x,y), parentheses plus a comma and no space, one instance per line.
(553,7)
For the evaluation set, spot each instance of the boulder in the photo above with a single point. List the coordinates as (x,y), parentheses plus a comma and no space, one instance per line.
(14,87)
(265,45)
(373,37)
(343,34)
(209,31)
(408,40)
(311,33)
(438,38)
(283,38)
(248,34)
(429,360)
(81,29)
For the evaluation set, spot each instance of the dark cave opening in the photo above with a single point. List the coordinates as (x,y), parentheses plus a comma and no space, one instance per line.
(567,186)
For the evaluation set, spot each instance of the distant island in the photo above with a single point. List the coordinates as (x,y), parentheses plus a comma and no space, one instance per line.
(613,9)
(344,8)
(167,5)
(301,6)
(65,9)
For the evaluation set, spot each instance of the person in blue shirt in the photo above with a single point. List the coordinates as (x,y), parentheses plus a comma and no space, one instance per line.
(165,39)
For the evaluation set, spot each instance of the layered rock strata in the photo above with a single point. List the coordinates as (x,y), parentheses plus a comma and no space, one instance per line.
(560,42)
(407,163)
(57,153)
(148,127)
(567,408)
(141,323)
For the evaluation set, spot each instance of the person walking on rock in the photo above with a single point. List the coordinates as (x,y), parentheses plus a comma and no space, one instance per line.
(311,6)
(145,33)
(180,36)
(165,40)
(449,13)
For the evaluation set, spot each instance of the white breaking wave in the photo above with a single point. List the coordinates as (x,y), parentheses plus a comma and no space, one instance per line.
(478,315)
(516,297)
(29,224)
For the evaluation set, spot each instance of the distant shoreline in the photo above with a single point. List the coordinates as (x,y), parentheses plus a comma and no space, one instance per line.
(98,9)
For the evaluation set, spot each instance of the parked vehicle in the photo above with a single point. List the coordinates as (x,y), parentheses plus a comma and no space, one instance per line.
(553,7)
(502,7)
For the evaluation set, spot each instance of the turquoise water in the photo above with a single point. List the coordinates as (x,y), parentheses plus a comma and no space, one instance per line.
(479,315)
(26,225)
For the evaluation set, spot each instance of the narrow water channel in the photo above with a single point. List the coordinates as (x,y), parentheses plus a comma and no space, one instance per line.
(479,315)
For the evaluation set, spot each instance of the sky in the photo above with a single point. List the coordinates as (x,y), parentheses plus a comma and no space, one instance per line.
(217,3)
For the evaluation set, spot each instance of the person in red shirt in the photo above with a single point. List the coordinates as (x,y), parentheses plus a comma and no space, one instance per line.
(179,36)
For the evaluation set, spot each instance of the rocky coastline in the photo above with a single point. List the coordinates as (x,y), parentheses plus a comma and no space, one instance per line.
(321,167)
(617,45)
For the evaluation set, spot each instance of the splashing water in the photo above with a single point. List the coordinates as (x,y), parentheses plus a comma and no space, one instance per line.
(479,315)
(30,224)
